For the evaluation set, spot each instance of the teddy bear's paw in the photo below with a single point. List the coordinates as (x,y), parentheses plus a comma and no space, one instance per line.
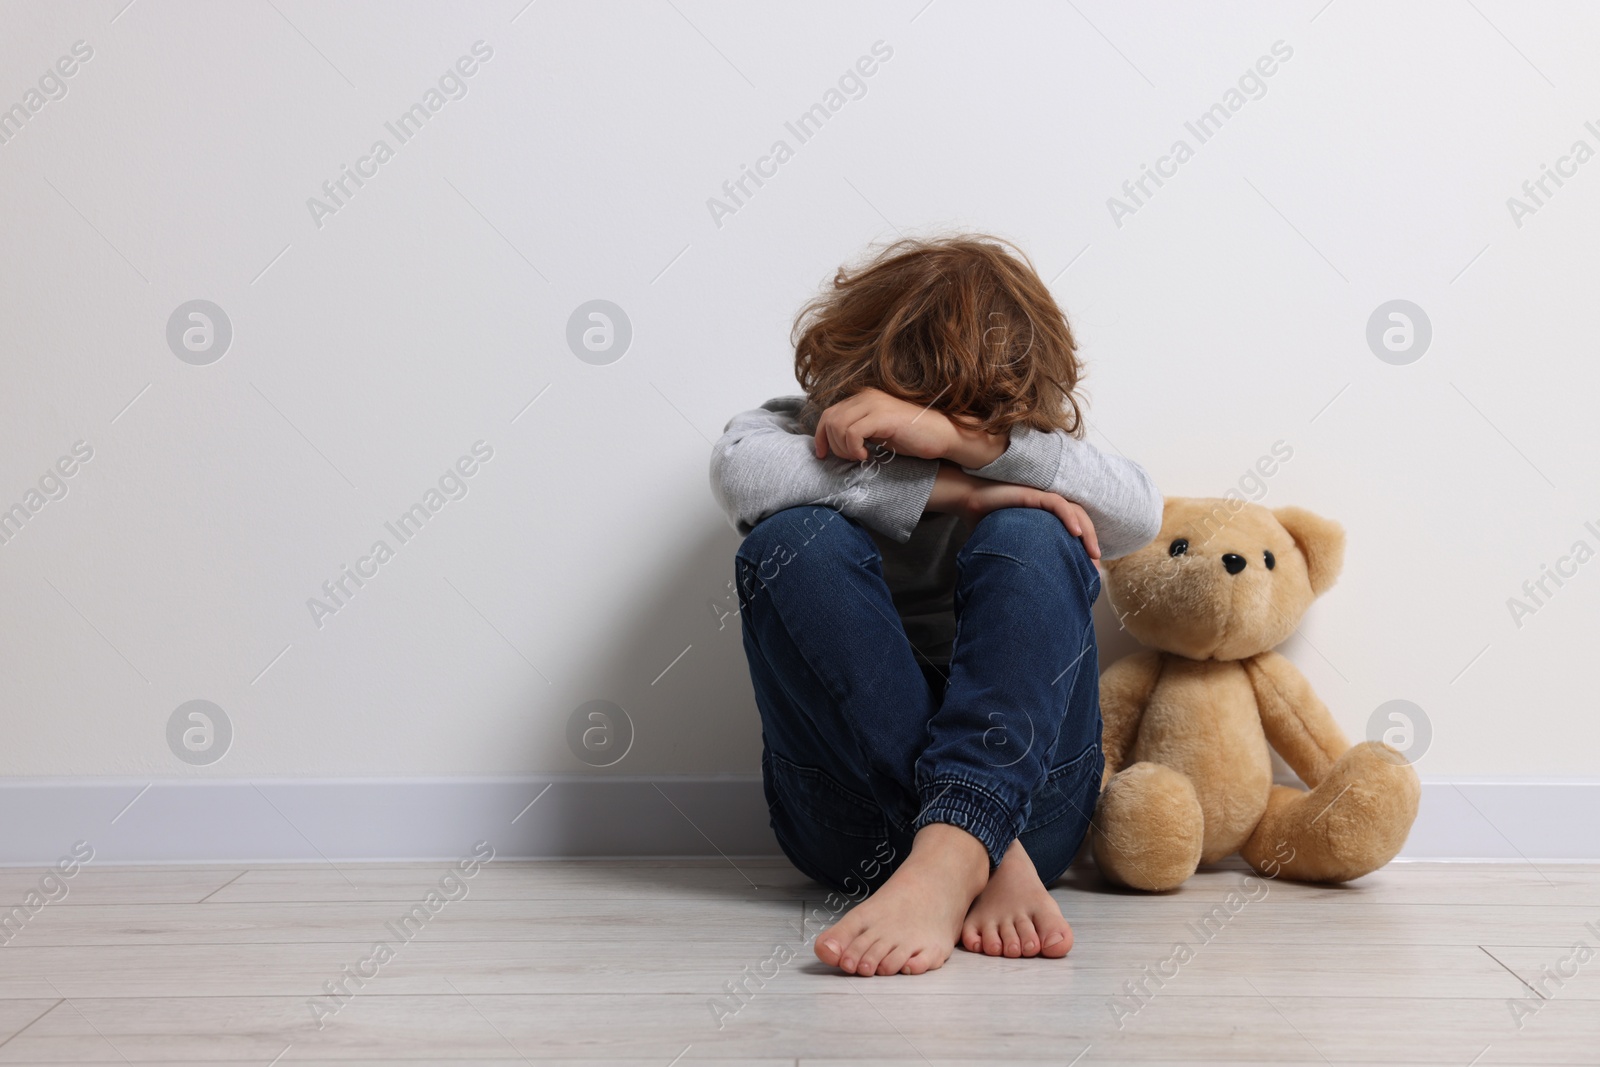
(1368,826)
(1354,822)
(1148,828)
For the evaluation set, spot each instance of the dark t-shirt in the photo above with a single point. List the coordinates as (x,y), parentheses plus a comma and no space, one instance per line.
(921,575)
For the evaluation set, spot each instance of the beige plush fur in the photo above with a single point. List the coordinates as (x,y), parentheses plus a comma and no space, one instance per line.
(1188,776)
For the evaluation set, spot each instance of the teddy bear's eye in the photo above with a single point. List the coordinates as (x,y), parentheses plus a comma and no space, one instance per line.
(1178,547)
(1272,561)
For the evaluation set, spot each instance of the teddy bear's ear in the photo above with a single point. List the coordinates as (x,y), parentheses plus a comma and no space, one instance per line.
(1320,540)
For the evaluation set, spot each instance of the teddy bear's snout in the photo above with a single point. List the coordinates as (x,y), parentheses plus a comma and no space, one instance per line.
(1233,562)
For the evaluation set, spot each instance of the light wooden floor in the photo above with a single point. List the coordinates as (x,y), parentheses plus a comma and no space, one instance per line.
(618,962)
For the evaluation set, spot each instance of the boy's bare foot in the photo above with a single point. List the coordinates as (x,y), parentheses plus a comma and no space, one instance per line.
(1015,915)
(910,924)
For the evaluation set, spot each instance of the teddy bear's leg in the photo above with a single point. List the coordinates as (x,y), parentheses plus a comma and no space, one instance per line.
(1148,828)
(1351,824)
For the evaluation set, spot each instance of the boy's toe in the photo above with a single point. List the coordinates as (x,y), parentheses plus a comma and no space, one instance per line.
(1028,936)
(1056,938)
(991,940)
(1010,942)
(895,960)
(835,941)
(870,958)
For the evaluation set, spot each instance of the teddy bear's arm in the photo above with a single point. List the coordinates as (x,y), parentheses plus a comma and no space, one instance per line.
(1125,688)
(1296,721)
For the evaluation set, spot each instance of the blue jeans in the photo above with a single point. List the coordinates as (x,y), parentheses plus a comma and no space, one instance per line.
(862,747)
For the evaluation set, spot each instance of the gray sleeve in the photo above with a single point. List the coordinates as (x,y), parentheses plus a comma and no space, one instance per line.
(1119,495)
(764,463)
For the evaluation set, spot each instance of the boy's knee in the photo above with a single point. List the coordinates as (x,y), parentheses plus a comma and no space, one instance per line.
(792,527)
(1021,529)
(1034,536)
(802,538)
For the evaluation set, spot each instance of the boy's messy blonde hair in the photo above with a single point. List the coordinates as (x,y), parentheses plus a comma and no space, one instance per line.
(962,324)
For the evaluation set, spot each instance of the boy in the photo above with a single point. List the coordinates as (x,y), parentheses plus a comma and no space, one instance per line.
(915,591)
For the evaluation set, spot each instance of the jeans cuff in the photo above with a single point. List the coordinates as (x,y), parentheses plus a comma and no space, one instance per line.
(974,810)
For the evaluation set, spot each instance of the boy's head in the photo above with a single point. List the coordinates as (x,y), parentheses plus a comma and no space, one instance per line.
(961,324)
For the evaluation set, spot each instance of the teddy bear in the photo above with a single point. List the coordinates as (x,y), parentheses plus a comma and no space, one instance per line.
(1187,720)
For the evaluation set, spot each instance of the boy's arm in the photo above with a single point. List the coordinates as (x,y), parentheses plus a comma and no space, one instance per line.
(765,462)
(1116,493)
(1120,497)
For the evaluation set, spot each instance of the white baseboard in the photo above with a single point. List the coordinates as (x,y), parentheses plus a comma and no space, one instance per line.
(1507,819)
(281,820)
(277,820)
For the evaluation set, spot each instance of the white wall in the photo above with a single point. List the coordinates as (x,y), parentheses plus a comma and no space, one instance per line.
(368,354)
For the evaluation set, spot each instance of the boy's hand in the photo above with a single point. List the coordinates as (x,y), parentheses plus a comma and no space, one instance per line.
(959,493)
(905,428)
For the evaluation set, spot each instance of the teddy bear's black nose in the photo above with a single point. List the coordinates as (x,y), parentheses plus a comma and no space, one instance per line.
(1233,562)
